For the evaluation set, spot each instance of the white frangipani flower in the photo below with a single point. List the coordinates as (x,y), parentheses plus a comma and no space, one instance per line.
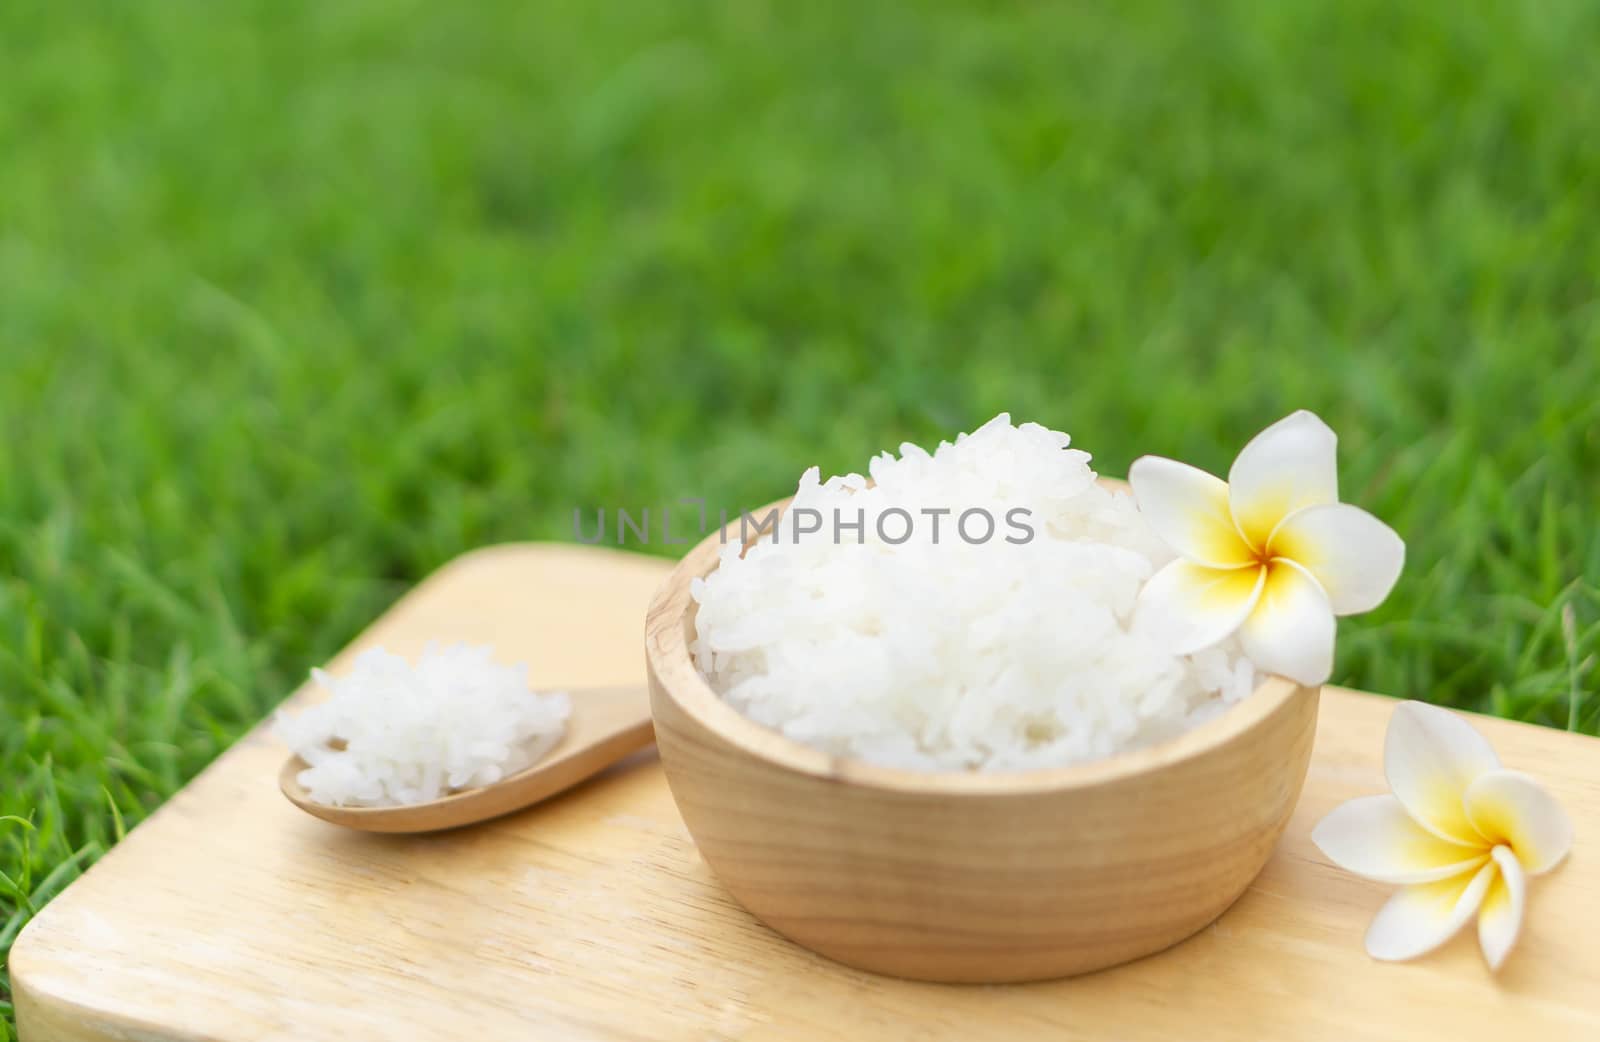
(1459,834)
(1270,554)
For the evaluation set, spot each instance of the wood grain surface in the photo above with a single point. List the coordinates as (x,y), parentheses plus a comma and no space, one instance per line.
(230,914)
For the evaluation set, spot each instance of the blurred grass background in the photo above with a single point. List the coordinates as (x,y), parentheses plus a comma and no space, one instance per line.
(299,300)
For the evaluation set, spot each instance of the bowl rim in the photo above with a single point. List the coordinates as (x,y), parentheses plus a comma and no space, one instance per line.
(673,674)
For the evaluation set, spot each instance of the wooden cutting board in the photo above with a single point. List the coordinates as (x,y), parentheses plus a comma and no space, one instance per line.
(231,915)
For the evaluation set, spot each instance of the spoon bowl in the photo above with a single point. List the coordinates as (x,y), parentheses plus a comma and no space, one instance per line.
(972,876)
(606,725)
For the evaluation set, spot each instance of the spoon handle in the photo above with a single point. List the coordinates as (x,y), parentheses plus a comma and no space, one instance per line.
(607,724)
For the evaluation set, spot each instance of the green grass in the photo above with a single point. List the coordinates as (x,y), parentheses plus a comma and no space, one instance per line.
(299,300)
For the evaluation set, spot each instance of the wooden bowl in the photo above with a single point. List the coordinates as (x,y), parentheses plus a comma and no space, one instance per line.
(972,877)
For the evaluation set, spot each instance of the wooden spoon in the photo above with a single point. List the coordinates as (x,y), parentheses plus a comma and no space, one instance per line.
(606,725)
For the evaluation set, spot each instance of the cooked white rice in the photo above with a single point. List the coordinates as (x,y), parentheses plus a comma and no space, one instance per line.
(950,655)
(412,733)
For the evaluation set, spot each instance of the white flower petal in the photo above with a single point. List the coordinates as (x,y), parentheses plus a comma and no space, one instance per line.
(1188,509)
(1374,837)
(1290,632)
(1500,918)
(1510,807)
(1288,466)
(1430,756)
(1355,557)
(1419,918)
(1194,607)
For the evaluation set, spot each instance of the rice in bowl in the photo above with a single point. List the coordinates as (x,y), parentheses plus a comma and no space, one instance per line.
(966,609)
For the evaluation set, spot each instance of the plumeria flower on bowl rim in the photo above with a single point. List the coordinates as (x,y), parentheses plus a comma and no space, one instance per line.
(1458,833)
(1270,554)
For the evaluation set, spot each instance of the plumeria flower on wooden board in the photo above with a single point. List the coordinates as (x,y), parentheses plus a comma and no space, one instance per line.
(1270,554)
(1459,834)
